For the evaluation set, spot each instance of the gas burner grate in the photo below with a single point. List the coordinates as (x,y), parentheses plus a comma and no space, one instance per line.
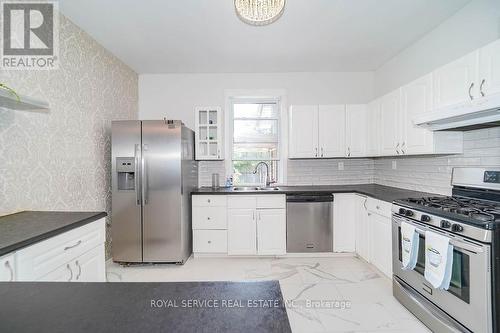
(482,211)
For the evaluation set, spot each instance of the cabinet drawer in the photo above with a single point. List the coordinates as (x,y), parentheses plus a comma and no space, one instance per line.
(39,259)
(242,201)
(210,241)
(272,201)
(379,207)
(209,218)
(209,201)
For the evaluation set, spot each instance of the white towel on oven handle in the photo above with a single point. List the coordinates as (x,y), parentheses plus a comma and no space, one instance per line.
(438,260)
(409,246)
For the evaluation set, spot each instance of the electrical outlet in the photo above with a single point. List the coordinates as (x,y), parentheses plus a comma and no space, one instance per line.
(341,165)
(394,165)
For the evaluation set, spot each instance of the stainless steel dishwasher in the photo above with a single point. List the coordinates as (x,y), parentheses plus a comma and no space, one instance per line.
(309,223)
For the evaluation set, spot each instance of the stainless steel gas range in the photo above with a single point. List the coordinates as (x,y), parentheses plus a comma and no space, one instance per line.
(471,219)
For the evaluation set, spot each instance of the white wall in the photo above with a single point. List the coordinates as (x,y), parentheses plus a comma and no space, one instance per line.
(175,95)
(477,24)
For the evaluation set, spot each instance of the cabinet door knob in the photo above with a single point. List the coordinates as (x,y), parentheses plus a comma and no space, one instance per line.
(481,88)
(208,218)
(470,91)
(209,242)
(208,200)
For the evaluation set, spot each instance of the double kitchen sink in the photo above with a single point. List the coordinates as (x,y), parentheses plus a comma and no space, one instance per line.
(251,188)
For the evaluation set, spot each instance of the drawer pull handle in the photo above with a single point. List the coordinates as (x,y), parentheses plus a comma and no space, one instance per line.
(79,269)
(11,271)
(72,246)
(70,272)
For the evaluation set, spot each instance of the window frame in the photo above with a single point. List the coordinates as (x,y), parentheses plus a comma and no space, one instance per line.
(278,100)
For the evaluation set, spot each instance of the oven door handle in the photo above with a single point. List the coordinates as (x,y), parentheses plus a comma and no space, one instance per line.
(458,245)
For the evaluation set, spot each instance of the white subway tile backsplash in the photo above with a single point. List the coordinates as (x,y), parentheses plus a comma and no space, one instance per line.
(433,173)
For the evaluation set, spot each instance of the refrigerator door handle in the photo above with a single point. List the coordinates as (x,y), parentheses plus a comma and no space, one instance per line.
(144,176)
(136,175)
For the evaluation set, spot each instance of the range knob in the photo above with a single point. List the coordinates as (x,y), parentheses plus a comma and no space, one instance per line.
(402,211)
(425,218)
(409,213)
(457,228)
(446,224)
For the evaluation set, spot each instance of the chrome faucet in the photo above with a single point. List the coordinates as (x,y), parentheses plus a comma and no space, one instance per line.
(268,179)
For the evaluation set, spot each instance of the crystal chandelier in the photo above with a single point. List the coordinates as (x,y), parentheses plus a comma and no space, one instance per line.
(259,12)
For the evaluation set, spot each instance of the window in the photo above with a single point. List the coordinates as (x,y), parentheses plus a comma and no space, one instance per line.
(255,138)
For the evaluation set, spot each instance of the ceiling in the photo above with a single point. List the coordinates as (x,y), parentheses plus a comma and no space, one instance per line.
(206,36)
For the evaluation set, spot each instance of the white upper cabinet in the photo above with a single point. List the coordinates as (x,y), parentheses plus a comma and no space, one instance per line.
(416,98)
(489,69)
(390,123)
(455,84)
(209,130)
(332,131)
(356,128)
(303,133)
(373,128)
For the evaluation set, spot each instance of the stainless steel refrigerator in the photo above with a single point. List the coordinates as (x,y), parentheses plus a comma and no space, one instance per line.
(153,174)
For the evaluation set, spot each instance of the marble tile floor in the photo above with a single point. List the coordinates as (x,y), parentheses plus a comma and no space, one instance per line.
(336,294)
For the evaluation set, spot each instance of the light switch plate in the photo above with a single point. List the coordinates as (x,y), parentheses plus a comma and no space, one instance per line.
(394,165)
(341,165)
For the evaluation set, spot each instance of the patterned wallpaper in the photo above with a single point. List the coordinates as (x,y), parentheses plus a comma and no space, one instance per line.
(60,160)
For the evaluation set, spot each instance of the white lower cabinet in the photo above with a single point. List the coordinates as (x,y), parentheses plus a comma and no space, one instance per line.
(271,231)
(90,266)
(41,260)
(378,220)
(241,225)
(7,268)
(77,255)
(380,242)
(361,226)
(241,232)
(210,241)
(344,239)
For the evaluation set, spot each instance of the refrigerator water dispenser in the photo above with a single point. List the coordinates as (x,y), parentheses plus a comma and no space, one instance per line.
(125,167)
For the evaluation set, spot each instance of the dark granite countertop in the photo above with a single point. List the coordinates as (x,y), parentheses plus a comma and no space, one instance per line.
(26,228)
(385,193)
(127,307)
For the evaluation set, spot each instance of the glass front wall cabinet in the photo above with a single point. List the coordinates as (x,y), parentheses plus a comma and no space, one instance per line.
(209,129)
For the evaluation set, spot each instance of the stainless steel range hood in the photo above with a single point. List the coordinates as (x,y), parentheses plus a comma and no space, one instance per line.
(481,113)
